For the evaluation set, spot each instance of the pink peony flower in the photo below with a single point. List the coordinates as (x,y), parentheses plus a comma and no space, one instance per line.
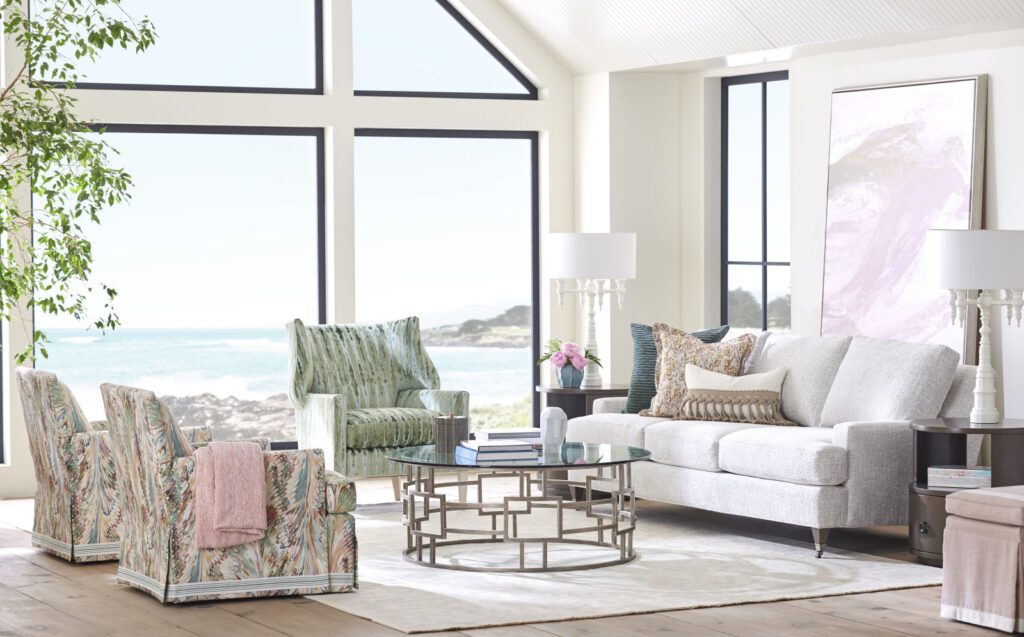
(571,349)
(558,360)
(578,361)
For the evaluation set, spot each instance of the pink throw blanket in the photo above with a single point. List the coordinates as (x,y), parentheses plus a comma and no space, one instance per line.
(231,497)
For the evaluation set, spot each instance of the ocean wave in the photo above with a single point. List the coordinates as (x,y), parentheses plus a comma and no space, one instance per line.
(79,340)
(245,344)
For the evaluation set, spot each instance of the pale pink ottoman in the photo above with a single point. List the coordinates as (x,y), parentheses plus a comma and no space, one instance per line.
(983,558)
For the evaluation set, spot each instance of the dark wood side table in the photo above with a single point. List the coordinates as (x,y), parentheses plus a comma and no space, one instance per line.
(575,403)
(579,402)
(943,441)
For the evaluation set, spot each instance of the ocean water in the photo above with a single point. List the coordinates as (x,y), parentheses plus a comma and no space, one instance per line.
(250,364)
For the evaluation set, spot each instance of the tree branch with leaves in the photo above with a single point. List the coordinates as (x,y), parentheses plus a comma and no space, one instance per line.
(56,175)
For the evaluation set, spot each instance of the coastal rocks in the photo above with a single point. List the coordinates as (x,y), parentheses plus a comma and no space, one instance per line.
(235,418)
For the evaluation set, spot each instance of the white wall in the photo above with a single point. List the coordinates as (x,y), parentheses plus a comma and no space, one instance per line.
(340,113)
(812,79)
(627,180)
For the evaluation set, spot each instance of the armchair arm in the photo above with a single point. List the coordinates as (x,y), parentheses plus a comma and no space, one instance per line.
(99,425)
(341,493)
(198,434)
(880,468)
(443,400)
(264,443)
(321,423)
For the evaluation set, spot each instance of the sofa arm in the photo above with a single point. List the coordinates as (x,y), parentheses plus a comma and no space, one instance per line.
(441,400)
(321,424)
(880,468)
(613,405)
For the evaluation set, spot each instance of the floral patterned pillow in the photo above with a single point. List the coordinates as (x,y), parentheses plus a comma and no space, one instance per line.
(676,349)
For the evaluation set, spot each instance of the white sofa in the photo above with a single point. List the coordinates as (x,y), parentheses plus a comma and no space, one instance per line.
(848,464)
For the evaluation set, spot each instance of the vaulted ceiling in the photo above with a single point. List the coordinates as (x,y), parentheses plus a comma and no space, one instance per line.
(614,35)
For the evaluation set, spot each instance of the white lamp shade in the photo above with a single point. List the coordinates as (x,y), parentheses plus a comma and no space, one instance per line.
(597,255)
(975,259)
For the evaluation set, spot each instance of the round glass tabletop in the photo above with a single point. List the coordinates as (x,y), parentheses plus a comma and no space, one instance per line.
(575,455)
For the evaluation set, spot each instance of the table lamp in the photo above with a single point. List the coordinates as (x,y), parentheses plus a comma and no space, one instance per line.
(988,262)
(591,266)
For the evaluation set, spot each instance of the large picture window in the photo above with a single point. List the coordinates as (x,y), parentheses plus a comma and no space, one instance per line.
(446,229)
(252,46)
(755,202)
(220,246)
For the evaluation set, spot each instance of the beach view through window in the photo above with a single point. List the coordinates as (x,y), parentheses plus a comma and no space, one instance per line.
(443,232)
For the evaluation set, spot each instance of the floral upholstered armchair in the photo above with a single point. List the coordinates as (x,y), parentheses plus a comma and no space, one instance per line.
(77,513)
(362,390)
(310,542)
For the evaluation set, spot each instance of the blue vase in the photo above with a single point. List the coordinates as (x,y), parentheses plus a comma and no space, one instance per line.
(569,377)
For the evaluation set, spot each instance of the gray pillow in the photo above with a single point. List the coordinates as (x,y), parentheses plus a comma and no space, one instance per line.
(889,381)
(811,364)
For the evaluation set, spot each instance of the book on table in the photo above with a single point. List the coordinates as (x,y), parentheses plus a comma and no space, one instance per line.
(492,435)
(959,477)
(477,451)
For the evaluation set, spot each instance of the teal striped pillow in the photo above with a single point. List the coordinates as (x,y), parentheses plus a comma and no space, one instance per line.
(645,356)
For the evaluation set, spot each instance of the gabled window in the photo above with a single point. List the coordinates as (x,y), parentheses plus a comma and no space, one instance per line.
(426,48)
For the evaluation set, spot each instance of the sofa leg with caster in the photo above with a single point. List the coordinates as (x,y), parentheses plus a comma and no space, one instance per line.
(820,540)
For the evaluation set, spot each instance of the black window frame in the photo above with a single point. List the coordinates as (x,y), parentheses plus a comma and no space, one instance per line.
(534,138)
(318,70)
(763,79)
(532,93)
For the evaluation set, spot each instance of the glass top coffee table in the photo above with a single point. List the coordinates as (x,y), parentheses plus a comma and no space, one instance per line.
(596,529)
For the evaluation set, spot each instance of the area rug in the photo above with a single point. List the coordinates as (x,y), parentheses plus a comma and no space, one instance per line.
(682,564)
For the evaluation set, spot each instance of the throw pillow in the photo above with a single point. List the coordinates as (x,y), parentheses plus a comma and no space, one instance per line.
(754,398)
(642,387)
(675,350)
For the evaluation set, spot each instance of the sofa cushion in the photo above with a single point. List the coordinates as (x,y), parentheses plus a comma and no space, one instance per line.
(689,443)
(389,427)
(802,455)
(645,358)
(811,364)
(613,429)
(883,380)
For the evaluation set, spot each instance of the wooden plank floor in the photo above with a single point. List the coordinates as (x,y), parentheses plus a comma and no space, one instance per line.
(42,595)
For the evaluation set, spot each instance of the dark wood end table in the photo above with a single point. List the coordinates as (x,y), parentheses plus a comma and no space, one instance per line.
(943,441)
(575,403)
(579,402)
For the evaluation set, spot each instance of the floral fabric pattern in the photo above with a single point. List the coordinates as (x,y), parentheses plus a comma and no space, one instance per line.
(77,512)
(361,389)
(299,555)
(676,349)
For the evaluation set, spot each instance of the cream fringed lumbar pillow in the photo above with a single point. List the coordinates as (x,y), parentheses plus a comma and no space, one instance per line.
(754,398)
(676,349)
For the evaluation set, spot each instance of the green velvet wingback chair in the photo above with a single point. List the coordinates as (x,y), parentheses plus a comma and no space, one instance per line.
(361,390)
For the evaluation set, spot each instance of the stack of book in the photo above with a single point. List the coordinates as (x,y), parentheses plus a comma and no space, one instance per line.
(959,477)
(484,452)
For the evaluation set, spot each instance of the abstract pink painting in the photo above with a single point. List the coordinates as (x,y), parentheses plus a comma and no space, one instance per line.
(902,159)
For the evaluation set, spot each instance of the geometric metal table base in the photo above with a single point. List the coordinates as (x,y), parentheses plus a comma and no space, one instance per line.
(607,522)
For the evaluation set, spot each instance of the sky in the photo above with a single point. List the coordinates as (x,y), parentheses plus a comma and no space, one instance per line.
(220,232)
